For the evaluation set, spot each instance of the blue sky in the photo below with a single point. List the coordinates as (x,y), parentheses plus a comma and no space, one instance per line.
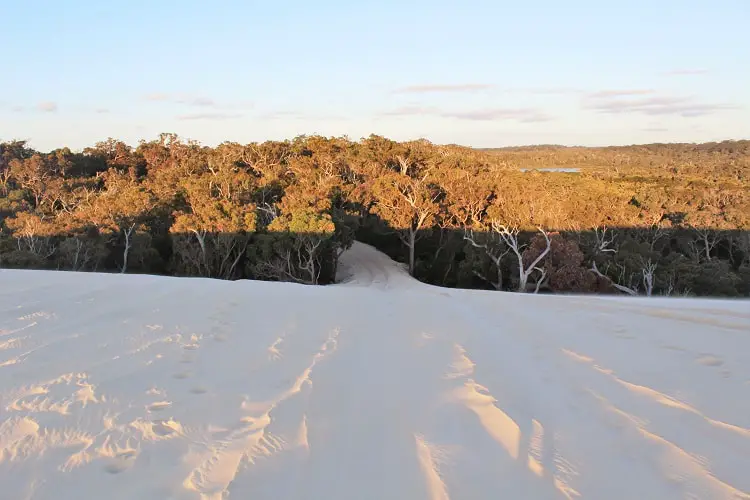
(479,73)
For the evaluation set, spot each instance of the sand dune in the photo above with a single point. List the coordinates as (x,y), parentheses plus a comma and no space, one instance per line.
(377,388)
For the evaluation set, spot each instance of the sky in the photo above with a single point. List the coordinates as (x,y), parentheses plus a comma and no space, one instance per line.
(483,73)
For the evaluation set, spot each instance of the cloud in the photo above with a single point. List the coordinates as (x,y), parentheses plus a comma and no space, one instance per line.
(274,115)
(188,100)
(210,116)
(550,90)
(195,101)
(198,101)
(424,89)
(618,93)
(610,102)
(687,71)
(412,110)
(101,111)
(299,115)
(47,106)
(17,109)
(525,115)
(157,96)
(655,129)
(471,87)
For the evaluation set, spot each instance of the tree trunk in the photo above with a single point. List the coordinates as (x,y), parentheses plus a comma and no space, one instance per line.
(499,284)
(128,232)
(707,247)
(201,235)
(523,278)
(412,243)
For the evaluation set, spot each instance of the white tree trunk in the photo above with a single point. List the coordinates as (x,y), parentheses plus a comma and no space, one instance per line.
(201,236)
(412,243)
(510,236)
(617,286)
(494,255)
(648,271)
(128,233)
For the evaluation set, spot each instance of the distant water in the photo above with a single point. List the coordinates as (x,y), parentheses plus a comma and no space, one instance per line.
(554,169)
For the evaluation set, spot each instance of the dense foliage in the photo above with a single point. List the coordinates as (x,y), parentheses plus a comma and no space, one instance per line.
(654,219)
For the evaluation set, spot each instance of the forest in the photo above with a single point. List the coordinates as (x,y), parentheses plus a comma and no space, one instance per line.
(658,219)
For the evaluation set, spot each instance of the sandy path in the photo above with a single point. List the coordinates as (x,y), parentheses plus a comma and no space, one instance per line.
(378,388)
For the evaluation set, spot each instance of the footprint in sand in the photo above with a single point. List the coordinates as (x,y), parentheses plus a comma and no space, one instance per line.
(164,427)
(622,333)
(159,406)
(672,347)
(220,337)
(709,360)
(181,375)
(198,390)
(121,462)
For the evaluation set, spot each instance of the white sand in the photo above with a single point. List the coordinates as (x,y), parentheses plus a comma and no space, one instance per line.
(145,387)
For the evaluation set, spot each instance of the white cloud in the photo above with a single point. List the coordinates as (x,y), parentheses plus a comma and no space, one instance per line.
(210,116)
(47,106)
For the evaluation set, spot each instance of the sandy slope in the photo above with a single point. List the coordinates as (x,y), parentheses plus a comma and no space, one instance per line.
(378,388)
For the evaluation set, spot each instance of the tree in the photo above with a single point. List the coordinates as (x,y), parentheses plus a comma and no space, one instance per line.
(409,205)
(526,266)
(119,212)
(652,219)
(9,151)
(638,257)
(562,270)
(33,174)
(301,245)
(35,242)
(212,233)
(493,246)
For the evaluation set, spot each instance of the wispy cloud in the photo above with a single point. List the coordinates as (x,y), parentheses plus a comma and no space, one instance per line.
(47,106)
(687,71)
(101,111)
(298,115)
(430,88)
(540,90)
(181,99)
(412,110)
(618,93)
(210,116)
(524,115)
(195,101)
(617,102)
(275,115)
(655,129)
(157,96)
(198,101)
(17,109)
(549,90)
(472,87)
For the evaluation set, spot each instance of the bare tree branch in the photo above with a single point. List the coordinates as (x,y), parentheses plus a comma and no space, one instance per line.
(617,286)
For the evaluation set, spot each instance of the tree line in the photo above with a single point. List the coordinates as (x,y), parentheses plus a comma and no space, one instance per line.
(662,219)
